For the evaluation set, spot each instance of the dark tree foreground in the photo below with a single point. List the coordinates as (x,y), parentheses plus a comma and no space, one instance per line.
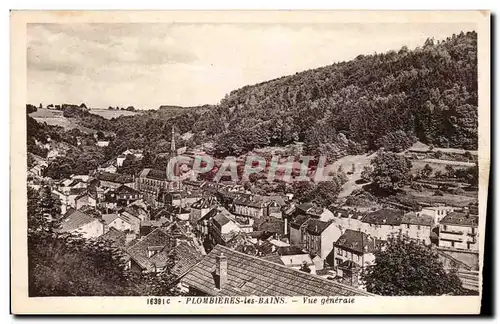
(406,268)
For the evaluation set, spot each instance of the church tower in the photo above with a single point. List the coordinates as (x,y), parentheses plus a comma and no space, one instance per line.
(173,151)
(175,185)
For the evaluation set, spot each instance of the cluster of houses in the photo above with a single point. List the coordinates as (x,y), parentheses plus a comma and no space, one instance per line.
(229,241)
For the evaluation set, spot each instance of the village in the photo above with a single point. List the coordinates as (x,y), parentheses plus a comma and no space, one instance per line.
(230,241)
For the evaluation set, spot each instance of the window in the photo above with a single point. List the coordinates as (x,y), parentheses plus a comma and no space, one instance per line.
(419,227)
(339,251)
(408,226)
(445,228)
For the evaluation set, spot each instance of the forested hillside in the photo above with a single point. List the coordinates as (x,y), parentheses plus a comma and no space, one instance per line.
(429,92)
(390,100)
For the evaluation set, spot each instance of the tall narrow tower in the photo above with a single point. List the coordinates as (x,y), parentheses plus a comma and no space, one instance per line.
(175,185)
(173,151)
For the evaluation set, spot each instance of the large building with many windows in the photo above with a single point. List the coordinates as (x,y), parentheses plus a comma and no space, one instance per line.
(459,230)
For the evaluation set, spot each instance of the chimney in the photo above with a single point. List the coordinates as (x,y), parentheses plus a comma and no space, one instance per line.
(220,271)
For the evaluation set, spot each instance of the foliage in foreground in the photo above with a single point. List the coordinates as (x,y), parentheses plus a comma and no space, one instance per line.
(62,264)
(407,268)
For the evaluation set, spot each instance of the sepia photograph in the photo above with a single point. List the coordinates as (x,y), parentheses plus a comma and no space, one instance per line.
(321,161)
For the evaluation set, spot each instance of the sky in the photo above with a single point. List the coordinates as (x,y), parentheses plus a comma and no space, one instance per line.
(148,65)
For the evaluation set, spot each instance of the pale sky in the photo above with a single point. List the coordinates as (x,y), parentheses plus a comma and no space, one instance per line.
(148,65)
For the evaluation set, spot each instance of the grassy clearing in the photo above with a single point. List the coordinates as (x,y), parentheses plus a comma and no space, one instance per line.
(428,197)
(56,118)
(108,114)
(359,161)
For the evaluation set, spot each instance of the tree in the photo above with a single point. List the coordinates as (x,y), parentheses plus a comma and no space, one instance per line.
(324,193)
(64,264)
(426,171)
(30,108)
(83,105)
(390,171)
(100,135)
(341,176)
(407,268)
(366,174)
(397,141)
(130,108)
(450,171)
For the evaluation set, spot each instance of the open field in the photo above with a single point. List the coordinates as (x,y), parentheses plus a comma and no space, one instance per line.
(108,114)
(359,161)
(438,165)
(56,118)
(448,199)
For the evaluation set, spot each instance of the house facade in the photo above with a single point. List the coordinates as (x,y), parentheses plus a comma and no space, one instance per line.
(77,222)
(436,212)
(459,230)
(382,223)
(319,237)
(354,246)
(417,227)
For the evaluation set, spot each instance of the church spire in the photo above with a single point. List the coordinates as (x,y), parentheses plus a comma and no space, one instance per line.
(173,151)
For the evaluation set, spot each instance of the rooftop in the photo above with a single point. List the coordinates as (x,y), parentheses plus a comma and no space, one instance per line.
(139,251)
(75,219)
(460,219)
(385,216)
(299,221)
(153,174)
(251,276)
(413,219)
(355,240)
(126,190)
(316,227)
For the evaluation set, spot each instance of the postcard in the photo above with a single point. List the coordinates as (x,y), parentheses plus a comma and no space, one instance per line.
(249,162)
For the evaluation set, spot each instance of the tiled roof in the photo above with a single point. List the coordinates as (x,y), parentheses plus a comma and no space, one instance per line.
(257,200)
(385,216)
(460,219)
(116,236)
(221,220)
(77,191)
(251,276)
(299,221)
(290,250)
(274,258)
(74,219)
(413,219)
(186,257)
(354,240)
(176,210)
(154,174)
(269,224)
(316,227)
(115,177)
(128,217)
(123,189)
(205,203)
(139,251)
(109,218)
(305,207)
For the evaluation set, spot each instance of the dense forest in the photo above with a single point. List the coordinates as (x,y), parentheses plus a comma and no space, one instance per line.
(389,100)
(429,92)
